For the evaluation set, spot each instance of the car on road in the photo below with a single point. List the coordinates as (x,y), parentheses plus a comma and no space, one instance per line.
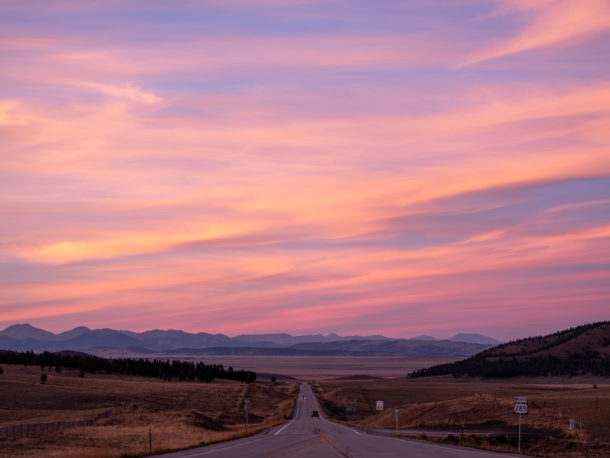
(315,413)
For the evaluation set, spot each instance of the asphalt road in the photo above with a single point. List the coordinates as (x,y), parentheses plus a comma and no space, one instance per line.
(307,436)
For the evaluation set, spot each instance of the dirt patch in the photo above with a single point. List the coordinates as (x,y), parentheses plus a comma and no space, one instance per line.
(203,421)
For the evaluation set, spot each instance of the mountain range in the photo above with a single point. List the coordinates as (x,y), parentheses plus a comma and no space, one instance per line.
(21,337)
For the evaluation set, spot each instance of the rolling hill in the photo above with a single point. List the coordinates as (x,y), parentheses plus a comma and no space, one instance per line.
(576,351)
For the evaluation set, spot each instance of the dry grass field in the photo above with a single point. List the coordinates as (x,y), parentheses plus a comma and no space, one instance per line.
(185,414)
(447,402)
(178,414)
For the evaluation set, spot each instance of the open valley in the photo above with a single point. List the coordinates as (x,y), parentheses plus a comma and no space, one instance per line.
(181,414)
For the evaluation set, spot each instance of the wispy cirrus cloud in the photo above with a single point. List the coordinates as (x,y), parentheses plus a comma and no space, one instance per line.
(208,172)
(548,23)
(127,91)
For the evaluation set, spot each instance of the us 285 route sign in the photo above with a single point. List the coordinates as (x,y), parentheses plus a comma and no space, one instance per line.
(520,405)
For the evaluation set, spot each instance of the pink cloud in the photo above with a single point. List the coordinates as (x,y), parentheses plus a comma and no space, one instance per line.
(234,182)
(553,22)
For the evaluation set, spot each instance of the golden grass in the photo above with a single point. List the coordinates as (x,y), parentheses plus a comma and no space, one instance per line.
(449,402)
(166,409)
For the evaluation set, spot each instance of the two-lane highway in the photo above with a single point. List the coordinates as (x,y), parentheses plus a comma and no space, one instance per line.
(306,436)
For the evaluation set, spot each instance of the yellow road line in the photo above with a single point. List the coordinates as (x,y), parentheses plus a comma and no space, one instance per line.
(296,449)
(345,455)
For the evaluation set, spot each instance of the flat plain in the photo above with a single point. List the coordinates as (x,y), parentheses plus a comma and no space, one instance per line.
(303,367)
(325,367)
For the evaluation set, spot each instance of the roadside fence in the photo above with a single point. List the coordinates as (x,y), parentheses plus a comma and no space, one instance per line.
(40,428)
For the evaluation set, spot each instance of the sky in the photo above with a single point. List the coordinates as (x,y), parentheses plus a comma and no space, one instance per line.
(304,166)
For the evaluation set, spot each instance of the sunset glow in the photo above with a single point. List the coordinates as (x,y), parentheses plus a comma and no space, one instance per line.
(305,166)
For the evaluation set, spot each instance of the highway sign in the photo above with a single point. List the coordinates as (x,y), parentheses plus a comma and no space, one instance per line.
(379,405)
(350,409)
(520,409)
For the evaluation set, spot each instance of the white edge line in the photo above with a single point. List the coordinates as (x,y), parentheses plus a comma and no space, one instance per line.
(291,421)
(315,400)
(207,452)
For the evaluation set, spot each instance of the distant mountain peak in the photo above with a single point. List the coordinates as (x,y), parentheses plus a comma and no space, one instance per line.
(474,338)
(424,337)
(27,331)
(72,333)
(21,326)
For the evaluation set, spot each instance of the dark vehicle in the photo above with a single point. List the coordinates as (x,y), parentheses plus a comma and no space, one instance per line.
(315,413)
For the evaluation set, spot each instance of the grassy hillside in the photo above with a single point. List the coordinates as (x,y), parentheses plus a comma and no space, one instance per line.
(575,351)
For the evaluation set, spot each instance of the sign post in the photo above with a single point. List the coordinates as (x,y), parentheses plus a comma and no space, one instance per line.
(520,407)
(396,414)
(379,406)
(246,406)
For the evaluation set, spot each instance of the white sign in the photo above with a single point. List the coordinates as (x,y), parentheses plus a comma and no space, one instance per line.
(520,409)
(520,400)
(379,405)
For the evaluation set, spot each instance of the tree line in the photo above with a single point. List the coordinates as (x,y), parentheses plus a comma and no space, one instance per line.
(575,364)
(166,370)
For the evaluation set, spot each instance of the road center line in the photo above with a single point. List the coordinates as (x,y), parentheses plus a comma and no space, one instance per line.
(345,455)
(287,452)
